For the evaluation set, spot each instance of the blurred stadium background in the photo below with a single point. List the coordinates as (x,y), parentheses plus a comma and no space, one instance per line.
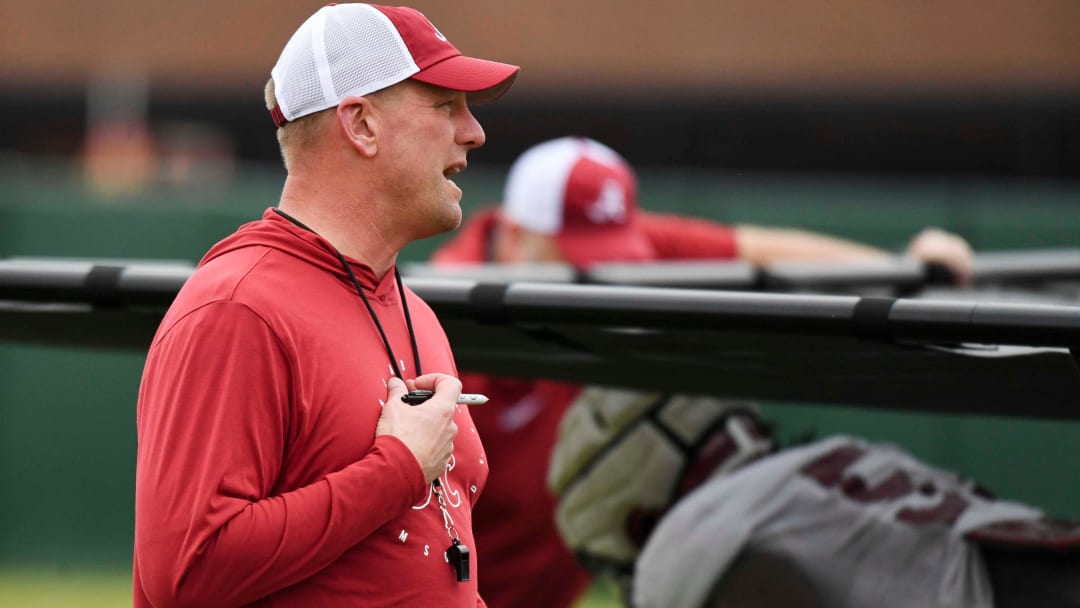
(137,130)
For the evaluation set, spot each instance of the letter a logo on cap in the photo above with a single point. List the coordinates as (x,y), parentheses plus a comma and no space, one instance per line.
(610,206)
(438,34)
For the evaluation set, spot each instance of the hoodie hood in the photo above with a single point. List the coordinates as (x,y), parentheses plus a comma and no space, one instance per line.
(276,232)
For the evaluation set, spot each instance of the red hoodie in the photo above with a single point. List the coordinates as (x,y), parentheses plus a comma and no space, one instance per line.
(259,479)
(526,564)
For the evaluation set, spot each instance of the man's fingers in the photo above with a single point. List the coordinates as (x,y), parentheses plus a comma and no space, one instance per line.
(439,383)
(395,388)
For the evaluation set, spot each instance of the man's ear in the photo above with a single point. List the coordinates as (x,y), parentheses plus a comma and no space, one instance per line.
(359,124)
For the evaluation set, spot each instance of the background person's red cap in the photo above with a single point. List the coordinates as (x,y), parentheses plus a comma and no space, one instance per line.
(584,194)
(345,50)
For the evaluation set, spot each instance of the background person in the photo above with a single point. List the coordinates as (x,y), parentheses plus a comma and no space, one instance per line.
(574,200)
(277,464)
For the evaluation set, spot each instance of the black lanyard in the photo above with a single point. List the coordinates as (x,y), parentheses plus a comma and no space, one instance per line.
(371,311)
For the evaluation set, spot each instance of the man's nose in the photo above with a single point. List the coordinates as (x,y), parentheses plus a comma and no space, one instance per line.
(469,132)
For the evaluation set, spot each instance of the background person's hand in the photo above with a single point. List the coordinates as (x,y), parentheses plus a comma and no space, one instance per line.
(936,246)
(428,429)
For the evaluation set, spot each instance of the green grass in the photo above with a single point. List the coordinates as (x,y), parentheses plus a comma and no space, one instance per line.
(43,588)
(601,595)
(59,588)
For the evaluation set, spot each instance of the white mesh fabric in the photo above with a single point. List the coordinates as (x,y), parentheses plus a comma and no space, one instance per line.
(296,77)
(365,51)
(340,51)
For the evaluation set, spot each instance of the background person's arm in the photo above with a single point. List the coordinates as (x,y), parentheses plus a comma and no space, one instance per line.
(762,246)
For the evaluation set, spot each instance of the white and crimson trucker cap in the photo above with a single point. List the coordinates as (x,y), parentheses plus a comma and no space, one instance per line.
(584,194)
(345,50)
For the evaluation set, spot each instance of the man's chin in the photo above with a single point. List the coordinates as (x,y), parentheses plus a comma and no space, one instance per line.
(453,221)
(446,222)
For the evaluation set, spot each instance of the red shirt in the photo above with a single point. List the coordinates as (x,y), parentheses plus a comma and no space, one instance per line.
(259,478)
(674,237)
(525,563)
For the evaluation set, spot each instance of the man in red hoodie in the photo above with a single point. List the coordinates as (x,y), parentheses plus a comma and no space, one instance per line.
(574,200)
(277,463)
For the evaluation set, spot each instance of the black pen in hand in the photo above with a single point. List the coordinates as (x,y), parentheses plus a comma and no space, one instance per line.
(419,396)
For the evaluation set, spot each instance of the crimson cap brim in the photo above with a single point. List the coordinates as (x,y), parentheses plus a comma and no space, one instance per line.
(483,80)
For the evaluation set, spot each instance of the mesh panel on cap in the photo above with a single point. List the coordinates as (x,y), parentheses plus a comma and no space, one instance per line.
(341,50)
(297,86)
(365,52)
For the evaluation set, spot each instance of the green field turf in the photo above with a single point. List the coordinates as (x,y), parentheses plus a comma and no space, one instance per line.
(41,588)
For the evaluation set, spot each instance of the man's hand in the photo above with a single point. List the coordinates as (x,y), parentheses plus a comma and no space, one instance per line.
(428,429)
(935,246)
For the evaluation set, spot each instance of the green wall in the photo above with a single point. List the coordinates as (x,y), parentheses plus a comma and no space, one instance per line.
(67,417)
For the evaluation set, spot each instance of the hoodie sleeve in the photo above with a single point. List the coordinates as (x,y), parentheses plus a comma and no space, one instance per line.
(677,237)
(212,419)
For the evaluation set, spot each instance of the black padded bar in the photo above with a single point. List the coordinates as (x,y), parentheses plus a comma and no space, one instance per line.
(683,308)
(899,275)
(929,321)
(910,320)
(76,281)
(693,274)
(102,286)
(41,282)
(1026,267)
(766,346)
(488,302)
(871,318)
(492,273)
(153,286)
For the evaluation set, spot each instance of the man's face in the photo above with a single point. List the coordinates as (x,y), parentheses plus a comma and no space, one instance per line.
(429,130)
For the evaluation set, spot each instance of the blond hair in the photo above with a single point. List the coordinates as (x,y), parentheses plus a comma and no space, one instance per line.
(295,134)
